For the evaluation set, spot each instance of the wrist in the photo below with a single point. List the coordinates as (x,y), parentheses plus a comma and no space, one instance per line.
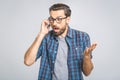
(40,35)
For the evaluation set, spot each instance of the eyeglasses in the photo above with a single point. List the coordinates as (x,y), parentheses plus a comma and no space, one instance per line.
(58,19)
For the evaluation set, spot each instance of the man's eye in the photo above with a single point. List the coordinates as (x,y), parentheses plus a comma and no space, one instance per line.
(59,19)
(50,19)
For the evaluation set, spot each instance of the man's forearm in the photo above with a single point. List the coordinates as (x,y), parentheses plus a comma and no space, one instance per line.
(87,65)
(31,53)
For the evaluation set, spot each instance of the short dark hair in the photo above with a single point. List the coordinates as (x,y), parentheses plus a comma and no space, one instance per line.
(61,6)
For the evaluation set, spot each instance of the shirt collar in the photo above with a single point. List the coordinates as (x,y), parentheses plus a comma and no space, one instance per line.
(70,32)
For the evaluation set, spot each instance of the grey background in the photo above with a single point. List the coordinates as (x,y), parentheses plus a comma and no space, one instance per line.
(20,22)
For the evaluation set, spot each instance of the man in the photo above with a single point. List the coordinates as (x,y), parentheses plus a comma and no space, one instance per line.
(65,52)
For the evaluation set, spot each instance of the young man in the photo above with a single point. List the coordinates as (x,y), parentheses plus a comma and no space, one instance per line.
(65,52)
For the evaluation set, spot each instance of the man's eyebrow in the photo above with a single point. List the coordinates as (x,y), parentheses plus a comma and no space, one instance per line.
(56,17)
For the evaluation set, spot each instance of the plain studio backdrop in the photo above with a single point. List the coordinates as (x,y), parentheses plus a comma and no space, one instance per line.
(20,22)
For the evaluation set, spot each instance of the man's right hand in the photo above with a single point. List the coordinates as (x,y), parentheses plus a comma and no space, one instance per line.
(44,27)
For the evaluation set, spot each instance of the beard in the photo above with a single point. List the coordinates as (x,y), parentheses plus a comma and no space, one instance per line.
(61,31)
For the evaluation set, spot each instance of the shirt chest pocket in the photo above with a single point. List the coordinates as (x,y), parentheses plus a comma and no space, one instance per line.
(78,53)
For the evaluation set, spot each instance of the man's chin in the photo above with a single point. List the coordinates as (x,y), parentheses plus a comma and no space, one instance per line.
(56,33)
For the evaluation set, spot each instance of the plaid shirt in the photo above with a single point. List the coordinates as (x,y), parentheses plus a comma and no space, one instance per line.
(77,42)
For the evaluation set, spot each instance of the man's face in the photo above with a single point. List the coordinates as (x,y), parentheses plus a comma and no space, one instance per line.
(58,21)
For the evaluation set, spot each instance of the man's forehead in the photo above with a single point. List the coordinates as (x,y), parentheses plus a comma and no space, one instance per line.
(57,13)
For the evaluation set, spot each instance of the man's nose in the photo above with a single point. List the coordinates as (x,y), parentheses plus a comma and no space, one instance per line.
(54,23)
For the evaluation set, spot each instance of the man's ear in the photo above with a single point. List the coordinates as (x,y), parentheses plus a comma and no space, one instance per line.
(68,19)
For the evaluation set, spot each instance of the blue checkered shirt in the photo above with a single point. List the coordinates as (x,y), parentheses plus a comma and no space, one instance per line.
(77,42)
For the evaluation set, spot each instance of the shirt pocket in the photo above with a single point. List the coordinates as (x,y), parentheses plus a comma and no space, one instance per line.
(78,53)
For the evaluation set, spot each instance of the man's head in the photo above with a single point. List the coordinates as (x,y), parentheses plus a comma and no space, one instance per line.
(60,6)
(59,18)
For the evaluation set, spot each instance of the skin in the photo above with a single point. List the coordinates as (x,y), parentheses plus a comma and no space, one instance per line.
(87,63)
(61,30)
(62,27)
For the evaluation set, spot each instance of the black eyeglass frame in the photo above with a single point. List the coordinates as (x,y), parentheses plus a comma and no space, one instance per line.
(58,19)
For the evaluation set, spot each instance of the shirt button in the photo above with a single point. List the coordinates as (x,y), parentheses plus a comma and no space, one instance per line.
(76,48)
(53,61)
(55,52)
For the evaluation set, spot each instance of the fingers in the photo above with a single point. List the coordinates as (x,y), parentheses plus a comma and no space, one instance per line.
(93,46)
(45,23)
(44,27)
(90,49)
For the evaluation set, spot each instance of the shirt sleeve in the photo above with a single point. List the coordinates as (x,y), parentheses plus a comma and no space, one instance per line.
(40,49)
(87,42)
